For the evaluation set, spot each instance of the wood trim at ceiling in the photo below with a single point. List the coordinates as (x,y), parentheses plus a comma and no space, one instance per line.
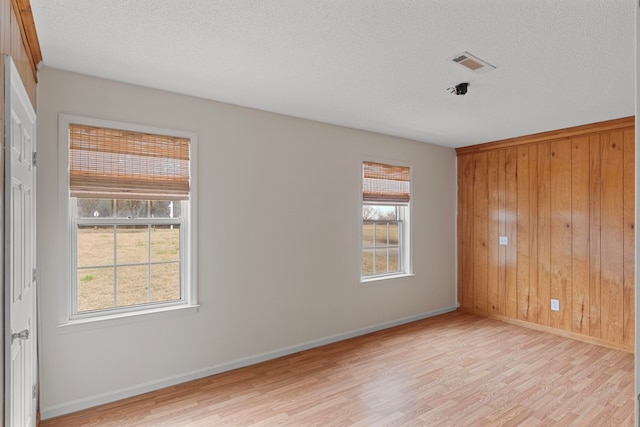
(546,136)
(29,34)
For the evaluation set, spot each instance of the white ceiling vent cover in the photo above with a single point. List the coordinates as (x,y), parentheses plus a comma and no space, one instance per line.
(472,63)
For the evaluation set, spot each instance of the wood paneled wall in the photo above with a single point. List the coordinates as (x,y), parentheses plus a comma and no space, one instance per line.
(565,202)
(18,38)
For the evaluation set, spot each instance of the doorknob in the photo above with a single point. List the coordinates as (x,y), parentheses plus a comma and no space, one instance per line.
(22,335)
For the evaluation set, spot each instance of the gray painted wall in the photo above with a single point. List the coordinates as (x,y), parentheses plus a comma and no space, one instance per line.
(278,249)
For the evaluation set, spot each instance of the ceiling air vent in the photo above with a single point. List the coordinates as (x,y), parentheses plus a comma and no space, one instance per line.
(472,63)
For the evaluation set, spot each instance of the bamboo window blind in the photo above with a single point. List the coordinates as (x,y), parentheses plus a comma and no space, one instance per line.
(112,163)
(383,183)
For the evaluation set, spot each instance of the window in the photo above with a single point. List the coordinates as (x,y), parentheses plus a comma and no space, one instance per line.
(385,220)
(130,193)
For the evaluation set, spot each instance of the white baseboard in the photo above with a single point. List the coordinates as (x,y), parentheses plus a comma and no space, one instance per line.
(80,404)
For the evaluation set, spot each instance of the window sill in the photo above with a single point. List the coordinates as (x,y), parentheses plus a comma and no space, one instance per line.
(366,280)
(110,320)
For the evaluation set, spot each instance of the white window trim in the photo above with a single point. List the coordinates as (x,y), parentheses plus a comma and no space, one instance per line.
(407,251)
(66,221)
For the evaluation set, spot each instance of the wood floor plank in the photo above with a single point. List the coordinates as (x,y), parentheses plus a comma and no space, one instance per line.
(457,369)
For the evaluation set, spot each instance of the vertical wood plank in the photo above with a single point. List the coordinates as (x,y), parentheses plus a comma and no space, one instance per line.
(511,250)
(510,231)
(19,54)
(480,228)
(459,225)
(493,232)
(533,234)
(612,234)
(595,226)
(5,26)
(544,232)
(580,235)
(467,166)
(502,253)
(15,43)
(560,190)
(523,278)
(11,43)
(2,147)
(628,296)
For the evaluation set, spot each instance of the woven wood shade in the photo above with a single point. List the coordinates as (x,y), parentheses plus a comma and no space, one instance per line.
(116,164)
(385,183)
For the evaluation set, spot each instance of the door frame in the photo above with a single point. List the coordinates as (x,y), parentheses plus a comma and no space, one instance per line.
(12,77)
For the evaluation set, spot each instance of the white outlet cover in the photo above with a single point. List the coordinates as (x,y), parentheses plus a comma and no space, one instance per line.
(504,240)
(555,305)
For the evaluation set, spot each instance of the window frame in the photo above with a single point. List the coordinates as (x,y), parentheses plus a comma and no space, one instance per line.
(68,293)
(386,247)
(403,217)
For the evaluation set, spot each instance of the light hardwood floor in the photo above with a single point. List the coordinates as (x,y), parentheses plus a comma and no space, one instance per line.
(456,369)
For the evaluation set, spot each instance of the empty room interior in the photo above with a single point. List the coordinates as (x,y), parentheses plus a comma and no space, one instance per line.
(320,213)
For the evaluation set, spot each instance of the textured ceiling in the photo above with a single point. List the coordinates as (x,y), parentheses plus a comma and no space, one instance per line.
(379,65)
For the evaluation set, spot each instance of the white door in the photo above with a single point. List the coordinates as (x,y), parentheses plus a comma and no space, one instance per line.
(20,254)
